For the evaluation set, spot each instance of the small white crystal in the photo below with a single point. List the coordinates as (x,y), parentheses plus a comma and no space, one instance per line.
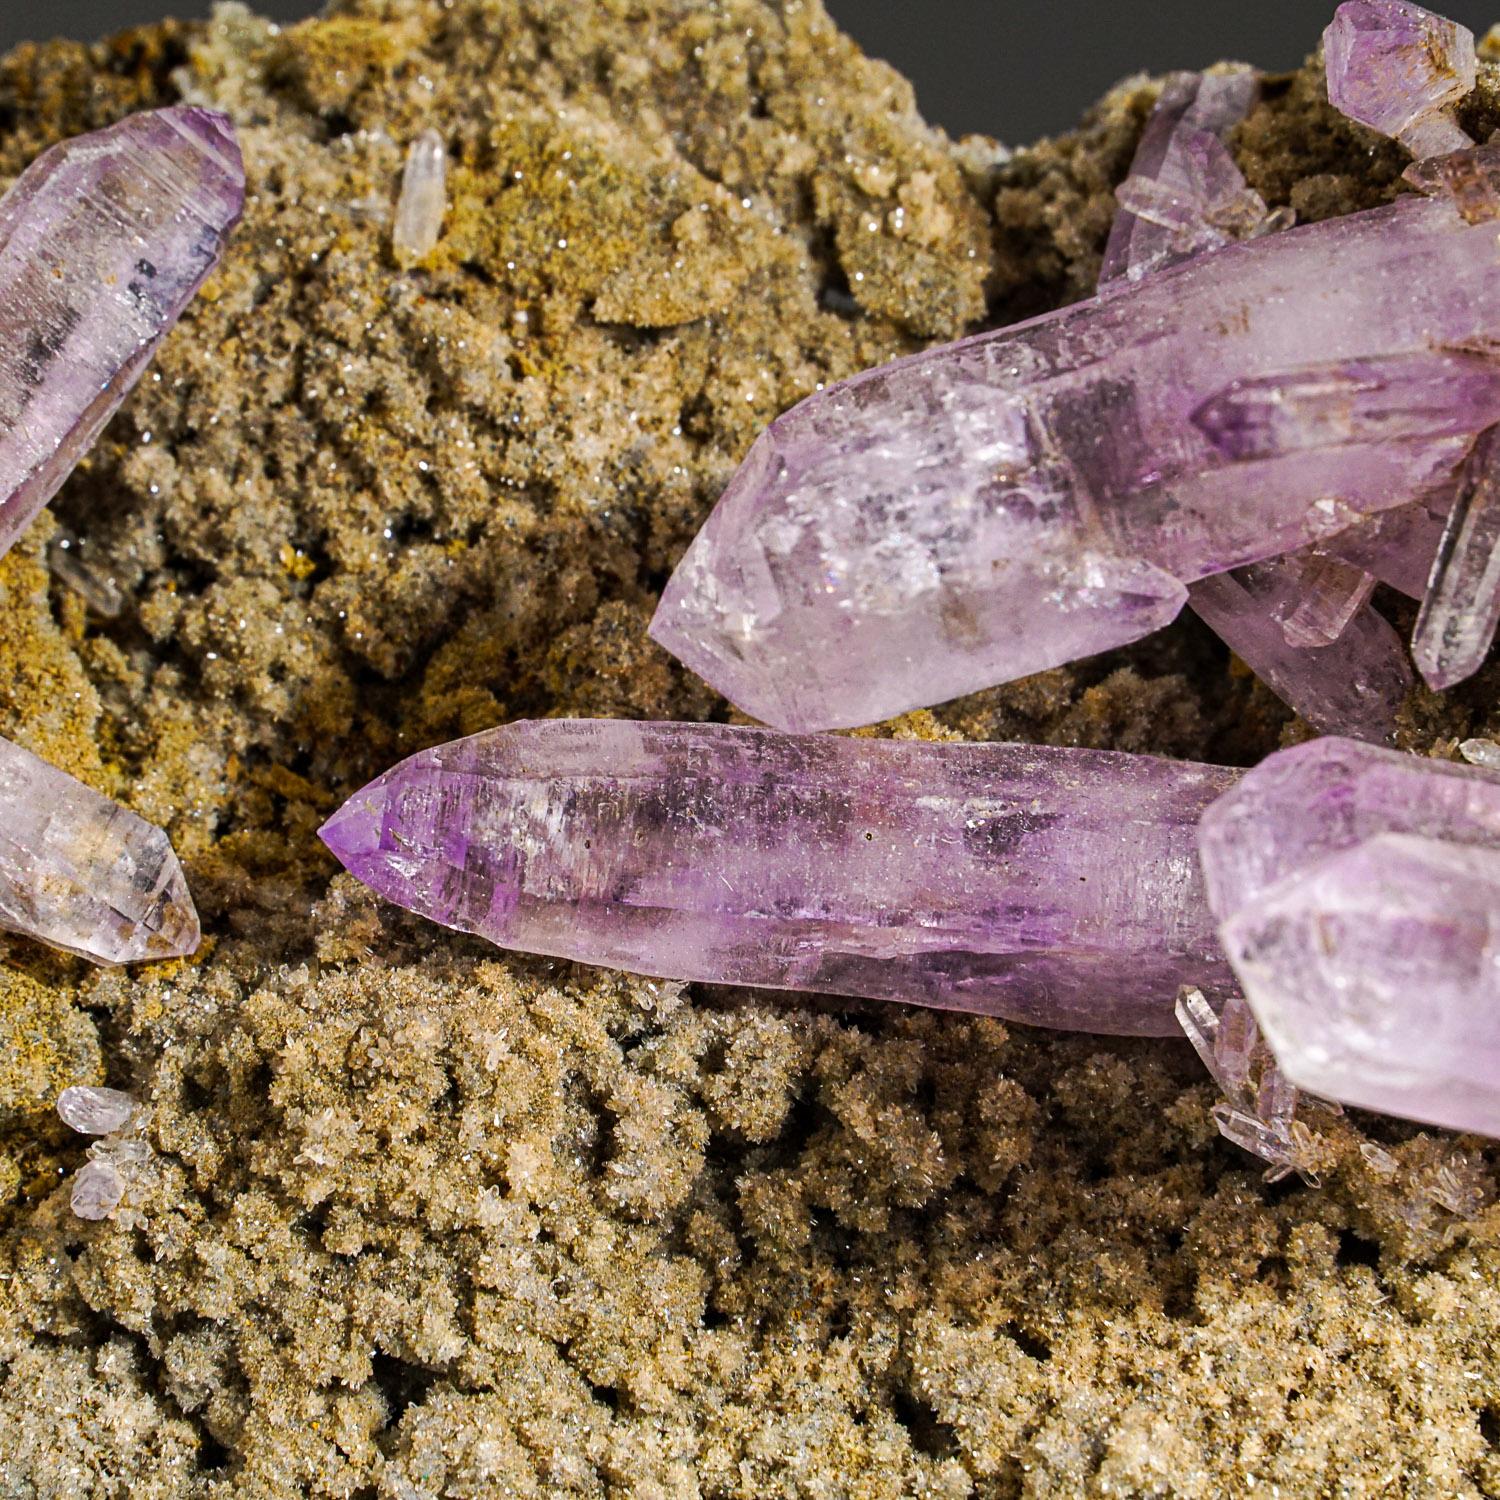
(97,1190)
(1483,753)
(92,1111)
(424,198)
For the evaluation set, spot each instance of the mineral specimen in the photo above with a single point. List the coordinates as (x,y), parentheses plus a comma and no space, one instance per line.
(1007,503)
(1259,1109)
(103,242)
(1400,70)
(84,874)
(1184,195)
(1357,891)
(424,198)
(1054,886)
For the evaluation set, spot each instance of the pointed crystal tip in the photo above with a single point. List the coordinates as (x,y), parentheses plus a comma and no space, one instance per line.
(1398,69)
(82,873)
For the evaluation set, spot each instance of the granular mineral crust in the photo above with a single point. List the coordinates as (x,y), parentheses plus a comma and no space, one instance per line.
(419,1219)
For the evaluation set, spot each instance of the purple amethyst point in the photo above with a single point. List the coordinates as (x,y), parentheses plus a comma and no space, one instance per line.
(104,240)
(1400,69)
(1056,887)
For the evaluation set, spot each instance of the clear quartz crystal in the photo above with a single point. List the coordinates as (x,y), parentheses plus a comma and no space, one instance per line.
(1259,1110)
(1485,753)
(424,199)
(97,1190)
(95,1111)
(1459,615)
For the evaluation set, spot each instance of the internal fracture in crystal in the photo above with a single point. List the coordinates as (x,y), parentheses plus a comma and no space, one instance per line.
(104,240)
(84,874)
(1358,892)
(1058,887)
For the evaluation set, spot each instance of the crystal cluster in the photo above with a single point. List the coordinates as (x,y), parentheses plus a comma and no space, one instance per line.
(117,1163)
(84,874)
(1358,892)
(1059,887)
(1304,402)
(104,240)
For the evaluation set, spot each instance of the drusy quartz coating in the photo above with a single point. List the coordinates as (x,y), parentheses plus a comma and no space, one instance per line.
(1400,70)
(989,508)
(104,240)
(1058,887)
(84,874)
(1358,891)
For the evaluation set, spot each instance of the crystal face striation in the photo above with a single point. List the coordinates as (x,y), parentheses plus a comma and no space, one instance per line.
(1053,886)
(84,874)
(1358,891)
(104,240)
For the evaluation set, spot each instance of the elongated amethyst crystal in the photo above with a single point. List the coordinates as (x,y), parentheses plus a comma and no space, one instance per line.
(1006,503)
(84,874)
(1358,891)
(1058,887)
(103,242)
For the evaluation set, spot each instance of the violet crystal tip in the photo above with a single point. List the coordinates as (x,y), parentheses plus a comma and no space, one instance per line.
(983,877)
(1398,69)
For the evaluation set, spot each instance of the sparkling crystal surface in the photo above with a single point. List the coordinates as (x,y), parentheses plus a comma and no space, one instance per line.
(95,1111)
(104,240)
(1400,69)
(1054,886)
(1357,890)
(83,873)
(986,509)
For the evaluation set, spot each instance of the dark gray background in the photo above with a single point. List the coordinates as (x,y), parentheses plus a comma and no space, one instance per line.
(1011,68)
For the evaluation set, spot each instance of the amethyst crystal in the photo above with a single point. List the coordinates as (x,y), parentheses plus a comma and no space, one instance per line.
(1358,891)
(103,242)
(1400,70)
(1007,503)
(1301,621)
(1058,887)
(82,873)
(1353,684)
(1184,193)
